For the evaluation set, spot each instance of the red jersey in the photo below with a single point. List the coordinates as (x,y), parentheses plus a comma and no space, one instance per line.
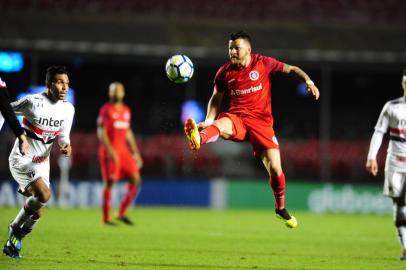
(249,88)
(116,122)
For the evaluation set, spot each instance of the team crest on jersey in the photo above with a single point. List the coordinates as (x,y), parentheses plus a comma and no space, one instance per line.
(254,75)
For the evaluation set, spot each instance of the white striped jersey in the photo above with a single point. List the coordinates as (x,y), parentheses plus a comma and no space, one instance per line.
(393,119)
(44,121)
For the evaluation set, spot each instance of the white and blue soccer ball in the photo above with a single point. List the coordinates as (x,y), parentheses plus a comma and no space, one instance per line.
(179,68)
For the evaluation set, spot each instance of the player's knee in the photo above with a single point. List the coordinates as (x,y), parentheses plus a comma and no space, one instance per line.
(225,127)
(44,195)
(275,170)
(108,184)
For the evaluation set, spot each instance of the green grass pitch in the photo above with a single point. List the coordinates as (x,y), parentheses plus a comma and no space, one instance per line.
(170,238)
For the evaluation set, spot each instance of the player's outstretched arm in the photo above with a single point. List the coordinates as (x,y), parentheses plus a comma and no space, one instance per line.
(213,108)
(299,73)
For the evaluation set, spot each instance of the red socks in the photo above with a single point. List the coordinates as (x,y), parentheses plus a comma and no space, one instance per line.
(209,134)
(106,204)
(278,186)
(128,199)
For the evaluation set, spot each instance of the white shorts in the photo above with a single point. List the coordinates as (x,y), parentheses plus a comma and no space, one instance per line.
(25,171)
(394,185)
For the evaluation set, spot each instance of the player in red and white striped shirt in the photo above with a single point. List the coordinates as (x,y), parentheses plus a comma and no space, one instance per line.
(47,117)
(393,119)
(245,79)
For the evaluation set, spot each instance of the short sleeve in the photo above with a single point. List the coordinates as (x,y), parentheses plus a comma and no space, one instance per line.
(102,118)
(22,105)
(219,80)
(272,65)
(383,120)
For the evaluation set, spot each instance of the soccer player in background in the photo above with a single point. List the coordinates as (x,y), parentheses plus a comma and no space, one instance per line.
(245,79)
(118,153)
(393,118)
(46,117)
(7,114)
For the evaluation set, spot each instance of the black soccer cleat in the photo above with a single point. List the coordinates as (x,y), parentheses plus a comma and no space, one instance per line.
(125,220)
(10,250)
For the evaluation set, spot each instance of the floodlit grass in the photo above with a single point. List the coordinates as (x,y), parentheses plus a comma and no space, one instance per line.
(205,239)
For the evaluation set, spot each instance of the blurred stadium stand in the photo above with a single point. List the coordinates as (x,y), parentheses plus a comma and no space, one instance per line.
(354,51)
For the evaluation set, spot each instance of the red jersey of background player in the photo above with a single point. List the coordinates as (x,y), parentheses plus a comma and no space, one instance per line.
(116,122)
(249,88)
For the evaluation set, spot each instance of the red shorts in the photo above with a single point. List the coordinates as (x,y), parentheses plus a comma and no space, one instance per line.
(259,132)
(124,167)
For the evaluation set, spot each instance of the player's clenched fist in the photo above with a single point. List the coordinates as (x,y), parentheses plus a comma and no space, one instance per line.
(372,167)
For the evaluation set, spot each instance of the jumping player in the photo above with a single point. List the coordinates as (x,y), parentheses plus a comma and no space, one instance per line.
(46,117)
(118,153)
(393,119)
(245,79)
(7,114)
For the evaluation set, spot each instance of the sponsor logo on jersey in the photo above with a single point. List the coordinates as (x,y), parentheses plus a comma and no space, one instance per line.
(50,122)
(254,75)
(39,159)
(121,124)
(250,90)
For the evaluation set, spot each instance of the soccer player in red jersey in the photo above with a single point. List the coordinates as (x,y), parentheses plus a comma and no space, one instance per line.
(118,152)
(245,79)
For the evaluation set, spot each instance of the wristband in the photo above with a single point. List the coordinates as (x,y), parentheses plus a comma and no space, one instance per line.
(309,82)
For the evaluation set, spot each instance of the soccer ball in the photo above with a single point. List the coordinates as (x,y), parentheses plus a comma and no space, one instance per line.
(179,68)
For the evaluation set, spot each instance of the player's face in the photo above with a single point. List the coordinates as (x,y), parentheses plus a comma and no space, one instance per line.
(239,51)
(116,92)
(59,86)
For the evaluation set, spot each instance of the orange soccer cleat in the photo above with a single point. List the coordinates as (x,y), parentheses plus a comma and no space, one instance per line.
(192,134)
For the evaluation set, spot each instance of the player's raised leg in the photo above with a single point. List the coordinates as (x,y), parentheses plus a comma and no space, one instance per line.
(222,127)
(131,194)
(272,162)
(27,218)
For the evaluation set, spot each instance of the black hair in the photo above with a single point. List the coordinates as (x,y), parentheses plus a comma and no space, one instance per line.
(52,71)
(242,35)
(404,72)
